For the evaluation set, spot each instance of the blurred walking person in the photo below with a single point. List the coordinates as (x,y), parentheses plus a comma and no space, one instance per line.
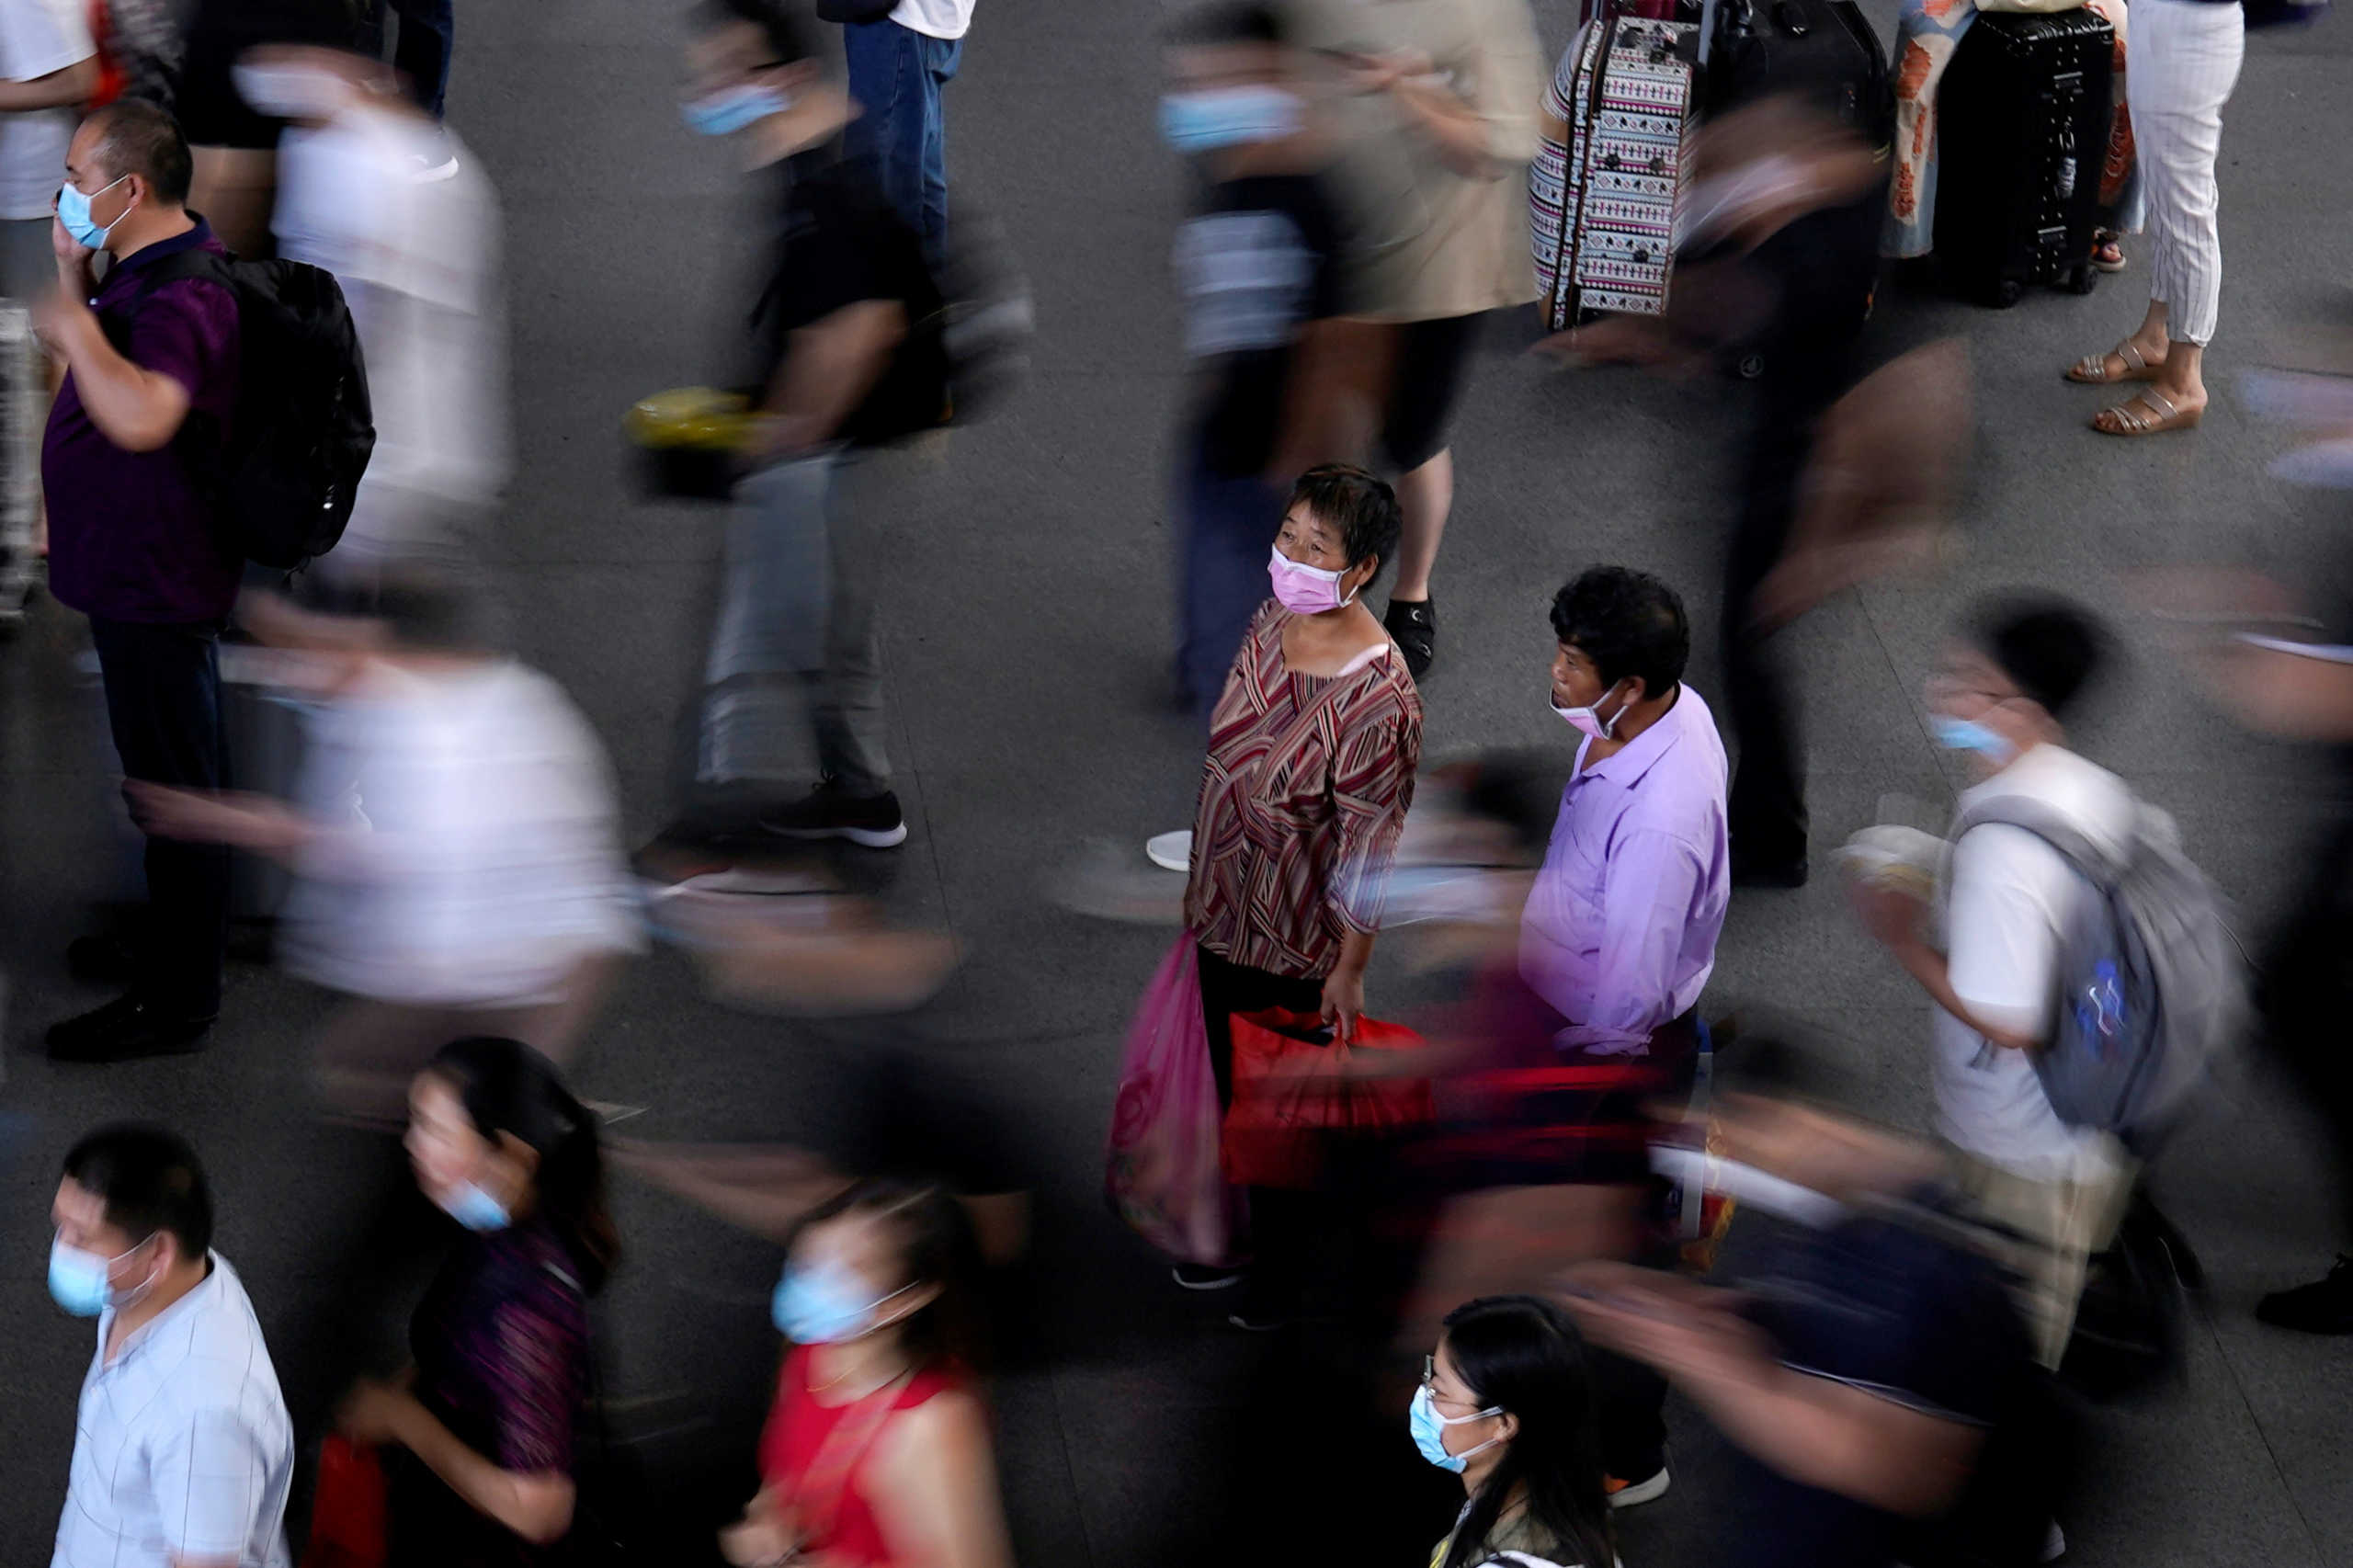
(182,1451)
(479,1432)
(235,144)
(373,191)
(1447,127)
(876,1453)
(850,363)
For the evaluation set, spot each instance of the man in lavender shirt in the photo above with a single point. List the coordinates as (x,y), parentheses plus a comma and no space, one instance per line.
(1619,932)
(150,384)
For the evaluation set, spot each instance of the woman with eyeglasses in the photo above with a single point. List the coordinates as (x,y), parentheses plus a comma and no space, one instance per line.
(1506,1402)
(877,1451)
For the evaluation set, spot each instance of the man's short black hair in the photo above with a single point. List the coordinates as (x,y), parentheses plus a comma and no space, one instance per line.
(1362,508)
(2050,648)
(149,1180)
(137,138)
(787,40)
(1221,22)
(1628,623)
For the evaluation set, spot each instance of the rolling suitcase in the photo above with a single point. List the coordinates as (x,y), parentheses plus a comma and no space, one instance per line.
(1823,50)
(1607,187)
(2022,126)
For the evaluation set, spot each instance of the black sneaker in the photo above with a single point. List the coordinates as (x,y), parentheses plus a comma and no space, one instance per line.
(829,811)
(1412,624)
(105,958)
(126,1028)
(2324,1306)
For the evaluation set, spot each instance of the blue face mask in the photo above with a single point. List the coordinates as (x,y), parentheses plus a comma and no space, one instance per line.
(730,109)
(1429,1431)
(1227,117)
(74,211)
(1967,734)
(475,1209)
(824,1304)
(77,1280)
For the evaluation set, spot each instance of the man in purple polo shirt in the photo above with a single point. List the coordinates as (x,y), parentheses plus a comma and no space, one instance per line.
(1619,932)
(150,379)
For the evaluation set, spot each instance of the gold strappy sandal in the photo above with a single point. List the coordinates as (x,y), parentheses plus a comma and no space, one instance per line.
(2092,368)
(2122,420)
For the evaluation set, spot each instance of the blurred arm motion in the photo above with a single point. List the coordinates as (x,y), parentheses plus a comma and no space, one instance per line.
(829,366)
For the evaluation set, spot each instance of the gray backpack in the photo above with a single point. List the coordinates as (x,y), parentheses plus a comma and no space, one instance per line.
(2150,978)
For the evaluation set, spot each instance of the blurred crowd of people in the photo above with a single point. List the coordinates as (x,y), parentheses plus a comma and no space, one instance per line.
(1508,1228)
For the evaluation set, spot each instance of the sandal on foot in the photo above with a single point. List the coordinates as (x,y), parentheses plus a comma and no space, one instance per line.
(2122,420)
(2092,368)
(2107,254)
(1413,624)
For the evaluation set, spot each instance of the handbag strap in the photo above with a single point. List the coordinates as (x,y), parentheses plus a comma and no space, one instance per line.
(844,1450)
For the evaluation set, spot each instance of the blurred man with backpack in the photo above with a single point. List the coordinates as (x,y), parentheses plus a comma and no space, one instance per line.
(2040,836)
(151,384)
(850,357)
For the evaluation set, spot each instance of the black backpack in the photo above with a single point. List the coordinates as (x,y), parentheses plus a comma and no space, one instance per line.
(298,440)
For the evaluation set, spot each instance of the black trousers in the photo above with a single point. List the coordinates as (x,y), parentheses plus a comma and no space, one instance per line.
(162,686)
(2304,989)
(1818,273)
(1284,1224)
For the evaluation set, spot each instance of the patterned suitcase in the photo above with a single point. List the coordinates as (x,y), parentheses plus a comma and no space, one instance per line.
(1604,189)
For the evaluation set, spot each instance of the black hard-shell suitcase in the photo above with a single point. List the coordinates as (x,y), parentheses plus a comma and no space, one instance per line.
(1824,52)
(2021,129)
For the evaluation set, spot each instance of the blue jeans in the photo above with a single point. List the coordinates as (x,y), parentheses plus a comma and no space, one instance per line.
(422,51)
(895,73)
(1227,528)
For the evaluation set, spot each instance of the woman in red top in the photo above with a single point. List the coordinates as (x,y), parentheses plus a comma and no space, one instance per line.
(877,1451)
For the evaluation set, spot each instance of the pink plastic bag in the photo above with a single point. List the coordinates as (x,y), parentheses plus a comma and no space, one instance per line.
(1161,1173)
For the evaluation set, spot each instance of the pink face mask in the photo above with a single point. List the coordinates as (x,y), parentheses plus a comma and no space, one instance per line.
(1589,720)
(1306,590)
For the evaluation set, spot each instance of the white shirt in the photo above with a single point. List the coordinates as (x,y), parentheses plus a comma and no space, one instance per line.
(38,37)
(484,859)
(939,18)
(2007,895)
(183,1449)
(402,216)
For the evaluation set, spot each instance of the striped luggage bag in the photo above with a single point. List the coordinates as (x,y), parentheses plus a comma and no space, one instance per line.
(1604,193)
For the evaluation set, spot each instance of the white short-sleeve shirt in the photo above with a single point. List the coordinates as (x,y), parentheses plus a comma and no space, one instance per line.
(939,18)
(38,37)
(2008,894)
(183,1449)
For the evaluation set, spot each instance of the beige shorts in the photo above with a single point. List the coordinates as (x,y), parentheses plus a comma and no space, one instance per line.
(2060,1224)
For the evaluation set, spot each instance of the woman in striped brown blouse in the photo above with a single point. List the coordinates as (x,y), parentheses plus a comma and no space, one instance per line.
(1311,753)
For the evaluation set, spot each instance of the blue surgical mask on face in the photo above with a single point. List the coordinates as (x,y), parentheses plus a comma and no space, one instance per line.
(1429,1431)
(1967,734)
(1211,118)
(475,1209)
(74,211)
(822,1303)
(730,109)
(77,1279)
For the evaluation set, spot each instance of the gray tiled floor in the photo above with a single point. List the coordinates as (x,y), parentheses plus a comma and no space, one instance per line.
(1027,629)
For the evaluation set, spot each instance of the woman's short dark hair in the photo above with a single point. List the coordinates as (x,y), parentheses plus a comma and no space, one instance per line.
(936,1247)
(2050,648)
(1628,623)
(149,1179)
(1522,1355)
(1362,508)
(786,35)
(507,1086)
(1220,22)
(137,138)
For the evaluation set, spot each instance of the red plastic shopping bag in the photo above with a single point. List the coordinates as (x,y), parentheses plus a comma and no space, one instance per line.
(348,1512)
(1292,1092)
(1161,1169)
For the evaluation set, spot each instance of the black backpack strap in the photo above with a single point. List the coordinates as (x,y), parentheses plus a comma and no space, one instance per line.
(179,267)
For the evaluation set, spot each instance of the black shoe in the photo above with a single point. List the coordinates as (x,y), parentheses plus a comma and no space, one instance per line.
(828,811)
(2324,1306)
(126,1028)
(102,960)
(1768,873)
(1413,624)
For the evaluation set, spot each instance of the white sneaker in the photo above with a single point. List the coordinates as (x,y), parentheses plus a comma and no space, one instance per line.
(2054,1545)
(1634,1493)
(1170,851)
